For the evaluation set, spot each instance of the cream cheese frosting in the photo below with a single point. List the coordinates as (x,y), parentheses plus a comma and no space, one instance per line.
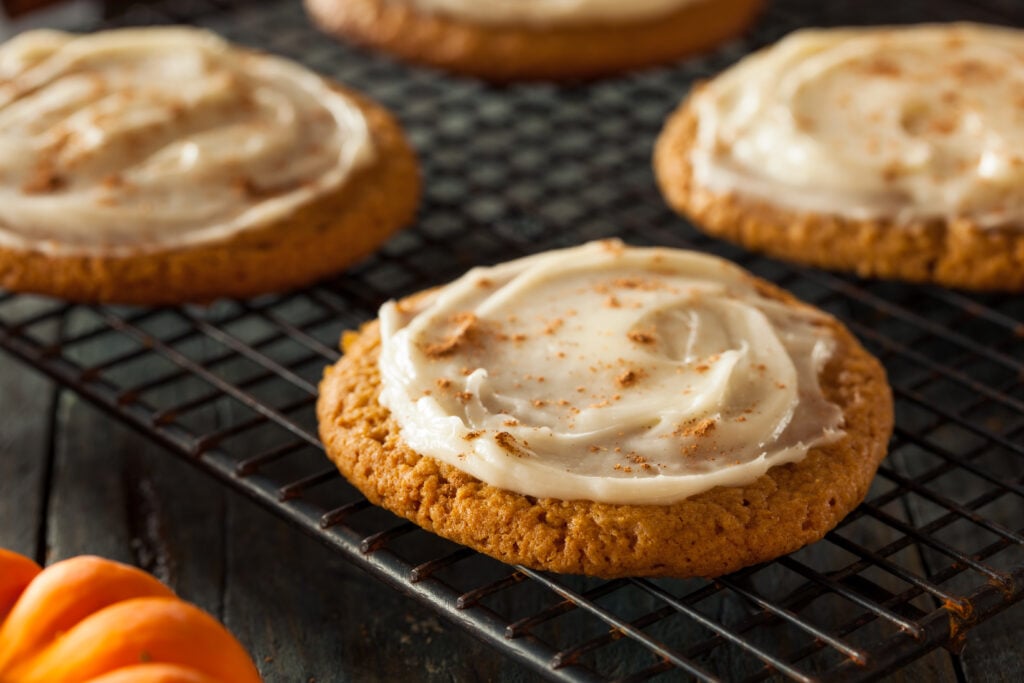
(141,139)
(608,373)
(922,122)
(552,11)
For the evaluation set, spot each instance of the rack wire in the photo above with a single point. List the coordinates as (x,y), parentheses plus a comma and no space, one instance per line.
(936,548)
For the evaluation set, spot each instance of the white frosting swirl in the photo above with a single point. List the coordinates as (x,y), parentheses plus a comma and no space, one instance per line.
(608,373)
(138,139)
(906,123)
(553,11)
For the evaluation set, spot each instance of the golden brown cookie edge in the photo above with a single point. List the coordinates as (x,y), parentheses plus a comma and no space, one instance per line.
(709,534)
(954,253)
(522,52)
(320,238)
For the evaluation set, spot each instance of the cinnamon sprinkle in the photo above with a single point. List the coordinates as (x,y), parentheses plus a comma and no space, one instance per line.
(510,445)
(44,178)
(641,336)
(553,326)
(699,430)
(466,323)
(626,379)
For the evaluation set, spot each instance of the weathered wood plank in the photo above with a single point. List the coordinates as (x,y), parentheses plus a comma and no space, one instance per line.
(27,402)
(118,494)
(310,615)
(994,653)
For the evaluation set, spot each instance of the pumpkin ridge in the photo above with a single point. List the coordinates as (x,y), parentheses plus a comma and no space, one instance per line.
(16,573)
(61,596)
(140,630)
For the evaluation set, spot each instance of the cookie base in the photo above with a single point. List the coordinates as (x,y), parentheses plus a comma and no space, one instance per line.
(319,239)
(709,534)
(955,253)
(527,52)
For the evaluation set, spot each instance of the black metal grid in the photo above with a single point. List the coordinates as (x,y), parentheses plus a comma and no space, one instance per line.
(935,549)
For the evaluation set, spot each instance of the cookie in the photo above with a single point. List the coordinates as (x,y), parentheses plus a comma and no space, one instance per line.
(611,411)
(888,152)
(158,166)
(536,39)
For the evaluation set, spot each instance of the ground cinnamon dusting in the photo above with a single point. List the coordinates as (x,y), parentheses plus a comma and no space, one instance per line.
(44,179)
(641,336)
(553,326)
(699,430)
(626,379)
(883,67)
(509,444)
(642,284)
(465,325)
(613,246)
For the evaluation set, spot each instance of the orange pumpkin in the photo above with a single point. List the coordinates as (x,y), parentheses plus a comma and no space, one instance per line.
(90,620)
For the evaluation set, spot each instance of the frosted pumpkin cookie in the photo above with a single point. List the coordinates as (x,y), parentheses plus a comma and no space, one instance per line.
(536,39)
(165,165)
(891,152)
(612,411)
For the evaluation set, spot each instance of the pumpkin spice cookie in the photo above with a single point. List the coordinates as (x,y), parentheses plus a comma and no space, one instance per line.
(611,411)
(164,165)
(503,40)
(890,152)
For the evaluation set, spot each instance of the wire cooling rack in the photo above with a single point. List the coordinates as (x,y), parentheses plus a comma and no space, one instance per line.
(936,548)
